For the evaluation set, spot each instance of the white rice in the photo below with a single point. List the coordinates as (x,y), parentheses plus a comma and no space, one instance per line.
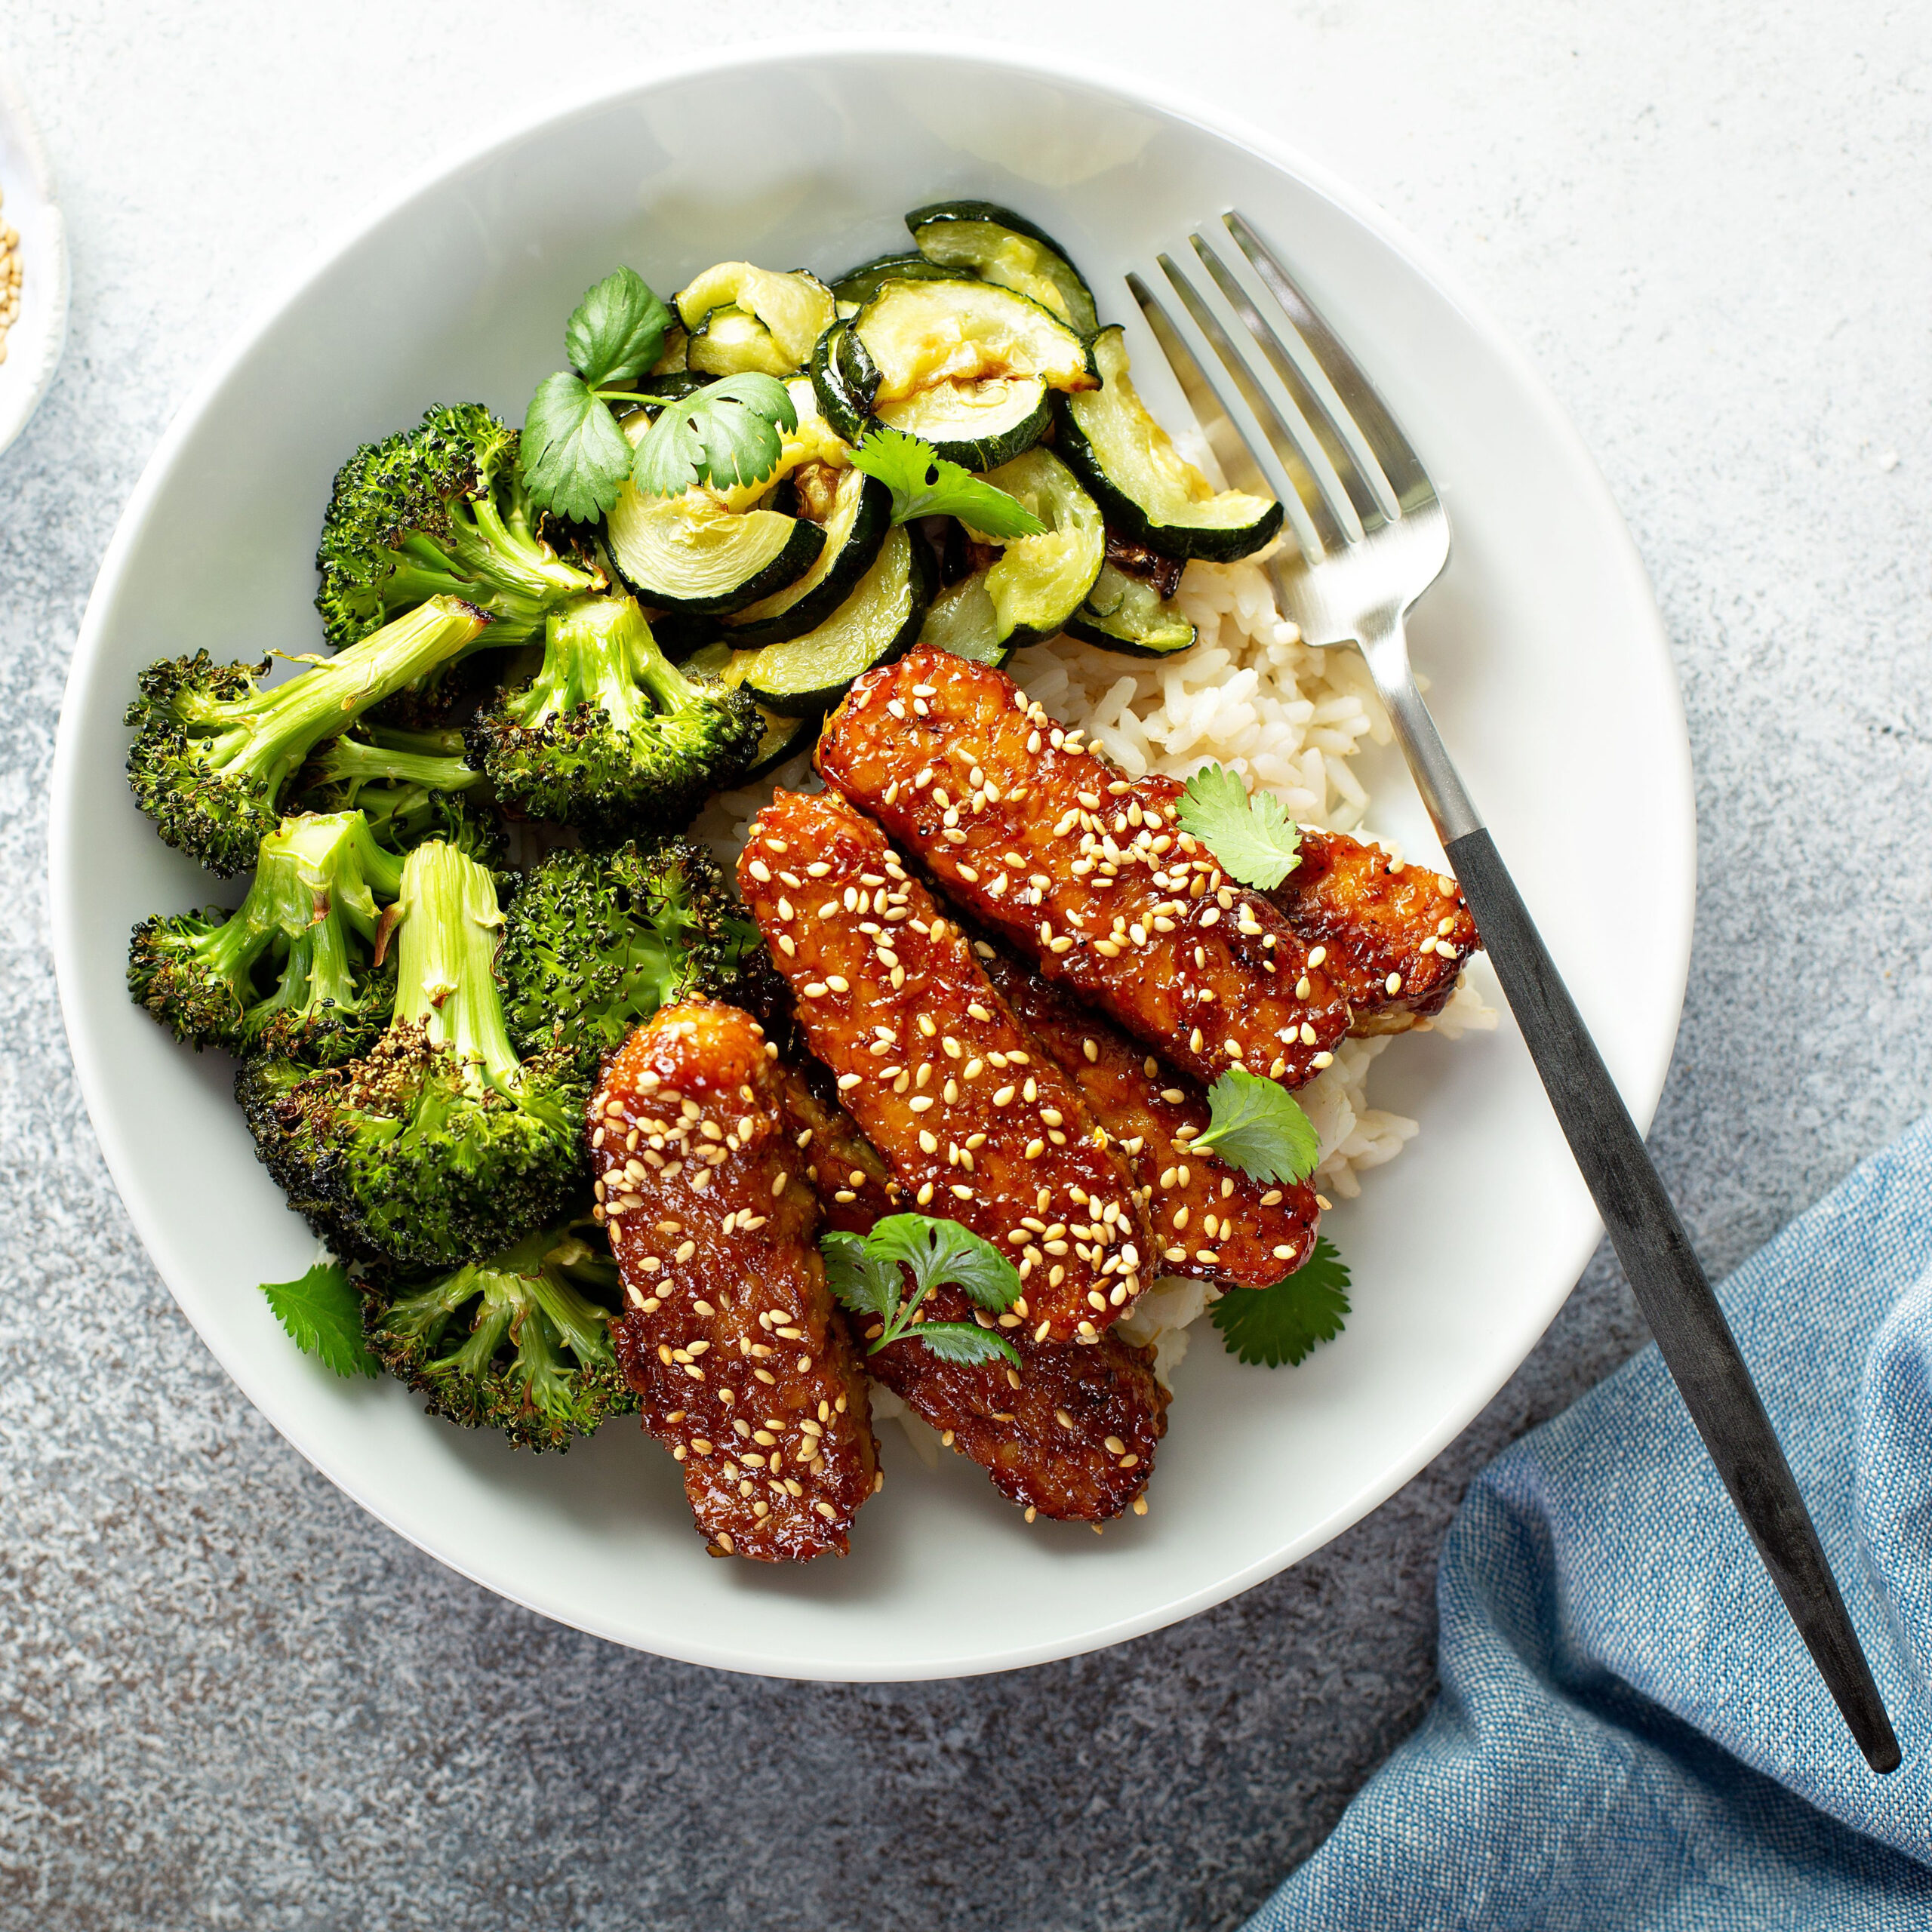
(1250,695)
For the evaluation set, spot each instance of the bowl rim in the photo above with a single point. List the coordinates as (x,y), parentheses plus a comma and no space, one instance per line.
(1644,1088)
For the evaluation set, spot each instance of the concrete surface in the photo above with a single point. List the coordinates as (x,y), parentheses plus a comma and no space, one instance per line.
(228,1698)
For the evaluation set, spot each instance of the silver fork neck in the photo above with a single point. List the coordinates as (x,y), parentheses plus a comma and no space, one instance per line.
(1385,644)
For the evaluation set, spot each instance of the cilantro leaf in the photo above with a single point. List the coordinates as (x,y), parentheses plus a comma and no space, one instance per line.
(617,331)
(1267,1327)
(1260,1127)
(726,434)
(865,1283)
(323,1314)
(923,483)
(574,457)
(939,1252)
(1254,838)
(863,1275)
(963,1342)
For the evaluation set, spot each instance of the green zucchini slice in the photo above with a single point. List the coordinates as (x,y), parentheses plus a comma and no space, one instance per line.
(691,553)
(861,284)
(979,424)
(730,340)
(793,311)
(917,334)
(961,620)
(801,677)
(1039,582)
(784,737)
(847,411)
(1036,583)
(860,515)
(1122,614)
(1005,248)
(1148,488)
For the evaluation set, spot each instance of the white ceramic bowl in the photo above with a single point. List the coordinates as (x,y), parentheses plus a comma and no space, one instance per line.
(1550,680)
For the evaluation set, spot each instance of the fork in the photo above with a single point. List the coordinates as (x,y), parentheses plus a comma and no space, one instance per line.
(1273,389)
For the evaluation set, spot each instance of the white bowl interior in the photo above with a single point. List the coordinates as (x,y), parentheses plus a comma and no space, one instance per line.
(1550,682)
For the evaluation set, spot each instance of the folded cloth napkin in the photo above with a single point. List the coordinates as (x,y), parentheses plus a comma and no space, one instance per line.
(1630,1733)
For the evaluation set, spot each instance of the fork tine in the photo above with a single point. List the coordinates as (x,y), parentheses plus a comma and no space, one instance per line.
(1225,407)
(1360,402)
(1353,484)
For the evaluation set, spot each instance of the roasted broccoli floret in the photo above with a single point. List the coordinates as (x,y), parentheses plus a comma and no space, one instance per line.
(214,749)
(438,510)
(440,1145)
(595,942)
(519,1342)
(290,970)
(608,735)
(410,786)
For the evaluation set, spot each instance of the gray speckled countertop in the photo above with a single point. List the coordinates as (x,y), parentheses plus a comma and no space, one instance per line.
(227,1697)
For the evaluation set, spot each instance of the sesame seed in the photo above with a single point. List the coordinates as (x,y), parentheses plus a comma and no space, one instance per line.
(1317,955)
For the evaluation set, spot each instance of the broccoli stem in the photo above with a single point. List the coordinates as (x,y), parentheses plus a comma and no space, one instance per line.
(596,650)
(445,960)
(270,734)
(349,761)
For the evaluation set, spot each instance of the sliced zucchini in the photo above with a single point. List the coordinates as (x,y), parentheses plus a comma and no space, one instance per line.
(919,333)
(731,340)
(1147,488)
(1122,614)
(979,424)
(801,677)
(674,385)
(961,620)
(843,407)
(1037,583)
(1005,248)
(784,737)
(861,284)
(691,553)
(793,310)
(860,515)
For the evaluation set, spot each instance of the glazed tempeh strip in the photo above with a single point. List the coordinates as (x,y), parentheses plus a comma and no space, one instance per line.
(1211,1221)
(1394,938)
(729,1333)
(973,1123)
(1079,870)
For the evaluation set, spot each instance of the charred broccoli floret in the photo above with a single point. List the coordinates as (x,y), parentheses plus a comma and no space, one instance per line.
(439,1145)
(290,970)
(214,749)
(519,1342)
(595,942)
(438,510)
(608,735)
(410,786)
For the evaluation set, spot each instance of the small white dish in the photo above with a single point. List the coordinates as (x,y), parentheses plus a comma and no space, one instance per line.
(39,331)
(1552,681)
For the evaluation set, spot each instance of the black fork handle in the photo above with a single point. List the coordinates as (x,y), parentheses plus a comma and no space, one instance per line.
(1692,1334)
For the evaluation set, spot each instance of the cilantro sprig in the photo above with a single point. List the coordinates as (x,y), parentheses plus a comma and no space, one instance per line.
(924,483)
(727,433)
(867,1275)
(1260,1127)
(1254,836)
(323,1315)
(1284,1323)
(575,458)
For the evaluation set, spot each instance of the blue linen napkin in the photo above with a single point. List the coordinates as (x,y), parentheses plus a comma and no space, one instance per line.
(1629,1733)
